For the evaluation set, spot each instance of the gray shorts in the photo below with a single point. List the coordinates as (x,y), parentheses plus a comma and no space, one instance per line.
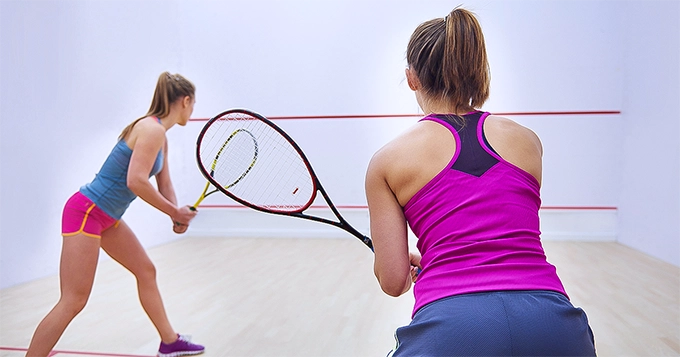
(503,323)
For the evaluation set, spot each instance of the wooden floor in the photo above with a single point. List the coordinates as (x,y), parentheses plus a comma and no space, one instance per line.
(318,297)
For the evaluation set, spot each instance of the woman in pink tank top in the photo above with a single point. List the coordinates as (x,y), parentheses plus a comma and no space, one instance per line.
(468,185)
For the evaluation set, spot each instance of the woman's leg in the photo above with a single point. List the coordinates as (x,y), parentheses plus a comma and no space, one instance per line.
(79,256)
(122,245)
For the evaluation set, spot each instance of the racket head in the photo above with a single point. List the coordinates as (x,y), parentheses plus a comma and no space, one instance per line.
(254,162)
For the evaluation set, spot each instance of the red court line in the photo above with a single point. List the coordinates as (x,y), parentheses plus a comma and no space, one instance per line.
(378,116)
(574,208)
(57,352)
(597,112)
(581,208)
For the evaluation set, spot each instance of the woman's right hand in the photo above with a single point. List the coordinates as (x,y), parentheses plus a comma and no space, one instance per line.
(414,259)
(184,215)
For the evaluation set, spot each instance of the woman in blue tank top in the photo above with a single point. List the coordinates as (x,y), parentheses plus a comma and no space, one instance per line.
(92,219)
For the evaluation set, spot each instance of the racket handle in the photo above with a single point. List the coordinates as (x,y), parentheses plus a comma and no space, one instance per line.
(203,195)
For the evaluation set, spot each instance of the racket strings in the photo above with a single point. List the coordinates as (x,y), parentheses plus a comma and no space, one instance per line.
(288,186)
(255,163)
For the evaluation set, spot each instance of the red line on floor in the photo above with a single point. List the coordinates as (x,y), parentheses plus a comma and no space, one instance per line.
(57,352)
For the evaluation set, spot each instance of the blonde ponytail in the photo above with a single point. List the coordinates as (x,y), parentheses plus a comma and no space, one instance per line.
(169,88)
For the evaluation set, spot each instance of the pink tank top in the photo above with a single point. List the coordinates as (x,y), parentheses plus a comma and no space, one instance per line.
(477,222)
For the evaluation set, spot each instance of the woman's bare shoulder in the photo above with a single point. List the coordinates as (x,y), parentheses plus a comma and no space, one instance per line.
(148,131)
(410,142)
(511,130)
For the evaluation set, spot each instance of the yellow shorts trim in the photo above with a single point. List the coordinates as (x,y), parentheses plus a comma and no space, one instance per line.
(82,226)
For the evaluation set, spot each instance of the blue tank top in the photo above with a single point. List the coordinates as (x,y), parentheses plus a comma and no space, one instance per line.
(109,189)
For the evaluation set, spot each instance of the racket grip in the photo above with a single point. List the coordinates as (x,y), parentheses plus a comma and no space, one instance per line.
(192,208)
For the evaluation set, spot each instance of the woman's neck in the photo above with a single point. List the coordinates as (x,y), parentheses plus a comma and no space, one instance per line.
(168,121)
(438,106)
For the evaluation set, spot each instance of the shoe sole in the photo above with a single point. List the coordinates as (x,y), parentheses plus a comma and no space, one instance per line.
(178,354)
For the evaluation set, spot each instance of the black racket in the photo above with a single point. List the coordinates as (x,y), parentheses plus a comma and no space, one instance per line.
(276,178)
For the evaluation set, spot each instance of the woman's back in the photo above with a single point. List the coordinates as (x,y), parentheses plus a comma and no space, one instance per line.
(477,219)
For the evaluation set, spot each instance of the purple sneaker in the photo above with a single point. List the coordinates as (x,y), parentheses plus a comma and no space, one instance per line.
(181,347)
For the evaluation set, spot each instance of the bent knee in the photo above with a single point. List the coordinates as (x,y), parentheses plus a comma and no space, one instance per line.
(73,304)
(146,272)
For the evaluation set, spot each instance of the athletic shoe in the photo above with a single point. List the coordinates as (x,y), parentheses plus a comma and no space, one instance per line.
(181,347)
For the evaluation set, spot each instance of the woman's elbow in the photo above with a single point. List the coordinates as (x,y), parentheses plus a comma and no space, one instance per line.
(393,286)
(135,184)
(392,291)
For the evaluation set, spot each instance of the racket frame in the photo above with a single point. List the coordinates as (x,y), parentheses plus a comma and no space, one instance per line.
(317,187)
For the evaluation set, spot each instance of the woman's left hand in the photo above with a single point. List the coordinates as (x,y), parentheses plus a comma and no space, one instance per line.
(179,228)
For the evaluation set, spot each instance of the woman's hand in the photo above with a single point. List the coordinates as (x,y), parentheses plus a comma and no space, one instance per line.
(181,219)
(414,259)
(179,228)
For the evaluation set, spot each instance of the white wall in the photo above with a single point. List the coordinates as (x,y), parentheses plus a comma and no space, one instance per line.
(74,73)
(649,207)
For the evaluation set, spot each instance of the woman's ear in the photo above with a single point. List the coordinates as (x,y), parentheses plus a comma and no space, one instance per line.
(186,101)
(412,79)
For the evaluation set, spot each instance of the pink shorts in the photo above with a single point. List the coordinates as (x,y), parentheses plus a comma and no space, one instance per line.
(82,216)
